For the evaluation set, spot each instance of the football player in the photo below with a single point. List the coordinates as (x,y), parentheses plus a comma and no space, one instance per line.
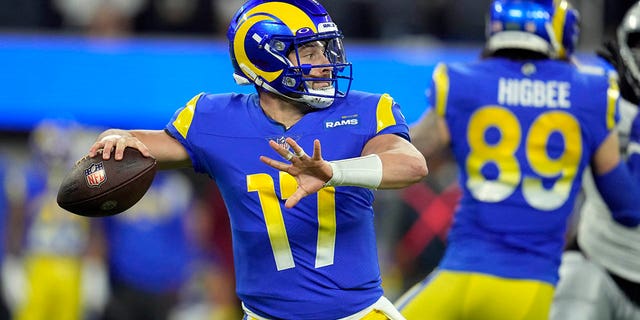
(301,211)
(600,271)
(523,122)
(54,264)
(146,282)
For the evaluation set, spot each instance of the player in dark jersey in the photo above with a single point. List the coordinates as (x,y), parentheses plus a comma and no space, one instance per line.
(302,226)
(523,123)
(600,271)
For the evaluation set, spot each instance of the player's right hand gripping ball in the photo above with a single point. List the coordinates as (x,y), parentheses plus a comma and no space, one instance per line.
(96,188)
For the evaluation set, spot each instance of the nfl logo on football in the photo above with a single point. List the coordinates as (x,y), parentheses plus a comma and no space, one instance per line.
(95,175)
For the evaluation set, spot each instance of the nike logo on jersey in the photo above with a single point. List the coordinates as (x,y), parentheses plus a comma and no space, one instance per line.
(534,93)
(350,120)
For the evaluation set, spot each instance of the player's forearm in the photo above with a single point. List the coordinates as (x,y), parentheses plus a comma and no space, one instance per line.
(401,163)
(169,153)
(155,143)
(371,171)
(624,206)
(401,169)
(430,135)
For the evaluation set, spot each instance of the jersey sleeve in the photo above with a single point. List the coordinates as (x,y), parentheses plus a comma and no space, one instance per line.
(611,111)
(389,118)
(439,90)
(180,127)
(596,103)
(613,101)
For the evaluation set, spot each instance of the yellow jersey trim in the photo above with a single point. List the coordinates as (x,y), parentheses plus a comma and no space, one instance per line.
(384,113)
(441,81)
(184,119)
(613,93)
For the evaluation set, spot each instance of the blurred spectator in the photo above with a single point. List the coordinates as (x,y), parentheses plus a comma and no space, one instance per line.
(400,20)
(28,14)
(160,265)
(224,11)
(413,225)
(99,17)
(54,266)
(215,281)
(194,17)
(462,24)
(5,207)
(395,20)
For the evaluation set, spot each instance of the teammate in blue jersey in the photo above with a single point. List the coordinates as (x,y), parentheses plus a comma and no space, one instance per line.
(54,262)
(523,123)
(296,163)
(141,237)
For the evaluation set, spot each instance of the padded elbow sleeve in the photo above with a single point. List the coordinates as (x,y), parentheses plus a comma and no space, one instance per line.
(621,193)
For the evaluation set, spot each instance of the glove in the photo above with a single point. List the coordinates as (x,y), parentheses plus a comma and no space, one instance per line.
(14,282)
(94,285)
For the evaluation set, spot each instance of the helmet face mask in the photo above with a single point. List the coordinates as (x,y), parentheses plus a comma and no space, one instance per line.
(265,38)
(628,38)
(549,27)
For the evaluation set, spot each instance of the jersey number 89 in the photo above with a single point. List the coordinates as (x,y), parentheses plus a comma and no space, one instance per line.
(561,169)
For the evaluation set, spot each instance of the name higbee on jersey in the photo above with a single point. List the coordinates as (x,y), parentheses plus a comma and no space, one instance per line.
(526,92)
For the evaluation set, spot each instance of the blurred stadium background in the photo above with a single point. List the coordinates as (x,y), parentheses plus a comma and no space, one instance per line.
(132,63)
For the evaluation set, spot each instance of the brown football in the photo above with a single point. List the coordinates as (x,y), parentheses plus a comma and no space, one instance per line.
(96,188)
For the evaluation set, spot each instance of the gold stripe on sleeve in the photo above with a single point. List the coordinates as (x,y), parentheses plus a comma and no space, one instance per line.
(441,81)
(384,112)
(183,120)
(613,93)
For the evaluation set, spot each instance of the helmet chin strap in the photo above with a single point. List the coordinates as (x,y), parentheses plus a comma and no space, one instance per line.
(312,101)
(322,98)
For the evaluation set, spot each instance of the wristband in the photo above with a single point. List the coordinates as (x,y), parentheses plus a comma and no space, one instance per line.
(363,172)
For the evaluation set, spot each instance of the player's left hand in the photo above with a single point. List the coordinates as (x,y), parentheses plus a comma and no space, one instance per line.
(310,172)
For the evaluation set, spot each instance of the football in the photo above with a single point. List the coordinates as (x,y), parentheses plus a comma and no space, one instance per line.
(97,188)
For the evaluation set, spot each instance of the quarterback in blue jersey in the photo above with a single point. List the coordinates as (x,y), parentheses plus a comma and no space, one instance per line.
(302,226)
(522,138)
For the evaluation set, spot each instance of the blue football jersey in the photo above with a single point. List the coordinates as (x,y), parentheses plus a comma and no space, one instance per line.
(48,229)
(317,260)
(141,238)
(522,134)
